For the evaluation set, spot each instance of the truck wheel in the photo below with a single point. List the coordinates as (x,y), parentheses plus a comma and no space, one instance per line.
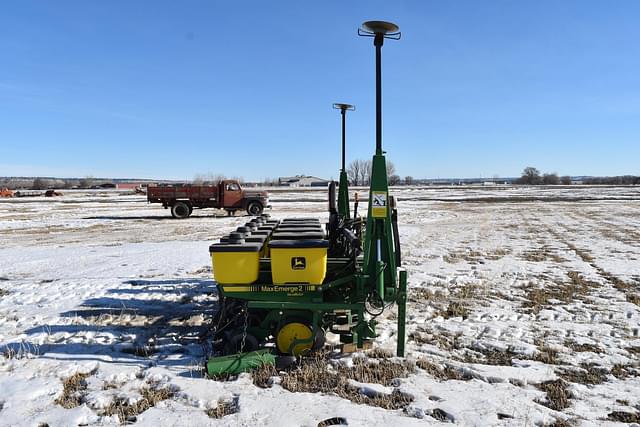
(180,210)
(254,208)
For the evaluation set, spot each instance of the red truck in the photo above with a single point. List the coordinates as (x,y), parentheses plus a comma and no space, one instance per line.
(227,195)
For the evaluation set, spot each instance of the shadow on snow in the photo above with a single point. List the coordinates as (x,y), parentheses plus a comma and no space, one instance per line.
(168,328)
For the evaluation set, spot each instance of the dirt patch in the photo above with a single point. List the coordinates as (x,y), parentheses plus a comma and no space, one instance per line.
(558,394)
(4,292)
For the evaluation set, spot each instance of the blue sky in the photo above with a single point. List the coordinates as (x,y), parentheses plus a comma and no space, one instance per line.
(165,89)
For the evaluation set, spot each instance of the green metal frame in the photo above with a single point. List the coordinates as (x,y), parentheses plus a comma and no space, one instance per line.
(359,279)
(371,278)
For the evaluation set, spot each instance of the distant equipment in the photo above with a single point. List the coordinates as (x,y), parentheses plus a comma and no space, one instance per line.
(227,194)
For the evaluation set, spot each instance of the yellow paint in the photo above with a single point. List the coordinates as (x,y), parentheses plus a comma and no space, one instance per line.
(291,332)
(237,288)
(235,267)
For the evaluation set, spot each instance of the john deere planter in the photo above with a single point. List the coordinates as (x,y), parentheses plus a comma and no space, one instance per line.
(284,284)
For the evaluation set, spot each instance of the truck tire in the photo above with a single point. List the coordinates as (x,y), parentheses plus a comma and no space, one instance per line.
(180,210)
(254,208)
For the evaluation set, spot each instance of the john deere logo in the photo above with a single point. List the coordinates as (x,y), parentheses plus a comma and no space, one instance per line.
(298,263)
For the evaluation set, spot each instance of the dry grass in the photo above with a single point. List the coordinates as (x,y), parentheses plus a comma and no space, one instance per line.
(634,299)
(74,389)
(441,373)
(315,375)
(624,417)
(494,357)
(498,357)
(127,412)
(546,355)
(559,422)
(3,292)
(380,353)
(424,295)
(587,374)
(558,394)
(455,309)
(224,407)
(497,254)
(584,347)
(470,255)
(621,371)
(576,288)
(584,255)
(262,375)
(542,254)
(467,291)
(634,350)
(418,337)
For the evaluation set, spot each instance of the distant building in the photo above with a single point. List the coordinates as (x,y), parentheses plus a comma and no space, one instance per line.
(302,181)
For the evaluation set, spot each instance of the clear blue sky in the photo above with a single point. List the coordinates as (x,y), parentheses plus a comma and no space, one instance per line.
(168,89)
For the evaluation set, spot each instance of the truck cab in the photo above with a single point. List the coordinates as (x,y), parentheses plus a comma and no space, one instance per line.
(233,197)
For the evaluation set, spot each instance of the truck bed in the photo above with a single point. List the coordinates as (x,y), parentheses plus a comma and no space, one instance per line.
(182,192)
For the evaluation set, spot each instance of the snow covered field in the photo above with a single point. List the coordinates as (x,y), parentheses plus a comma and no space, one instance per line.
(524,309)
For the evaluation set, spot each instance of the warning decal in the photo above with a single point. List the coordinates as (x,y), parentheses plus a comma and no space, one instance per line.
(379,204)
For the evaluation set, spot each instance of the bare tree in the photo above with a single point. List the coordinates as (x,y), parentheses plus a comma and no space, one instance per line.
(394,179)
(550,179)
(207,178)
(530,176)
(391,168)
(565,180)
(40,184)
(270,182)
(354,172)
(86,182)
(367,165)
(408,180)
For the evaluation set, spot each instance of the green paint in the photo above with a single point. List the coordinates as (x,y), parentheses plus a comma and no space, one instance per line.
(238,363)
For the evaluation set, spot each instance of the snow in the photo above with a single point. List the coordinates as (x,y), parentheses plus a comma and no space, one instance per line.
(103,284)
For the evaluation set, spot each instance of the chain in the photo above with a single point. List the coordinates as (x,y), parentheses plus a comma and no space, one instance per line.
(244,329)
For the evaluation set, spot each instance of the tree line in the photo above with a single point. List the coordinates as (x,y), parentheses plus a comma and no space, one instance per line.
(532,176)
(359,173)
